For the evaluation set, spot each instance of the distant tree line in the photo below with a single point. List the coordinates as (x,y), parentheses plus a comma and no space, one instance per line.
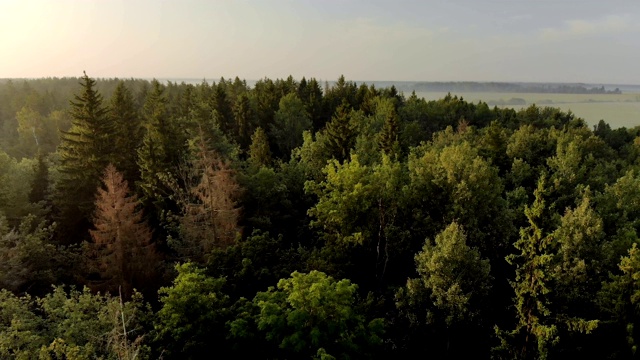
(505,87)
(141,219)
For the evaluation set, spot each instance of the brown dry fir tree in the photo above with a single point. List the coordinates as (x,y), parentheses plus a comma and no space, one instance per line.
(210,213)
(122,252)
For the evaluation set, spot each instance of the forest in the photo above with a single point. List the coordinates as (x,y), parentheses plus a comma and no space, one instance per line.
(292,219)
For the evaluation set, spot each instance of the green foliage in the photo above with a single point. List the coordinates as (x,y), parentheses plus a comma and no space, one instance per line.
(259,153)
(454,274)
(85,151)
(456,183)
(340,133)
(194,310)
(359,212)
(290,121)
(28,258)
(128,126)
(71,325)
(349,180)
(313,314)
(16,179)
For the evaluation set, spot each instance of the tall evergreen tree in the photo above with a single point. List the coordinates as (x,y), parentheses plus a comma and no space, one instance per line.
(85,151)
(244,121)
(128,126)
(259,153)
(160,153)
(341,133)
(388,137)
(223,110)
(535,332)
(122,251)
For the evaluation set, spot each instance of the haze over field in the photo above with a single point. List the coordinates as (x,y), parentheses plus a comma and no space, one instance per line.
(541,41)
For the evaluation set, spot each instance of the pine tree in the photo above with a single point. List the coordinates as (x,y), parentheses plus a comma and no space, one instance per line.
(85,151)
(122,250)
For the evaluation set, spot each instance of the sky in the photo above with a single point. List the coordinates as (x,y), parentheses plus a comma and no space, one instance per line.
(588,41)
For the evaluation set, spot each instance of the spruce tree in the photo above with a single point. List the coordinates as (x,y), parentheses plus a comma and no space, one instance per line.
(341,133)
(122,251)
(244,119)
(128,126)
(259,153)
(161,151)
(85,150)
(388,137)
(223,111)
(535,331)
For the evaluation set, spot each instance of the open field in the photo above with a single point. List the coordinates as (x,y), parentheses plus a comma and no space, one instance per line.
(616,109)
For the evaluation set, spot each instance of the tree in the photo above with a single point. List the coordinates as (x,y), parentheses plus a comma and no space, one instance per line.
(455,275)
(535,331)
(85,151)
(620,299)
(192,319)
(259,153)
(209,214)
(340,133)
(70,325)
(127,124)
(30,131)
(360,212)
(122,250)
(158,157)
(312,313)
(290,121)
(244,120)
(388,137)
(223,111)
(28,259)
(451,292)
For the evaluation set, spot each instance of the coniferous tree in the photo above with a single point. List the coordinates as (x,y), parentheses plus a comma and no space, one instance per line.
(388,138)
(158,156)
(85,151)
(209,214)
(243,115)
(341,133)
(259,153)
(222,109)
(127,125)
(122,251)
(535,332)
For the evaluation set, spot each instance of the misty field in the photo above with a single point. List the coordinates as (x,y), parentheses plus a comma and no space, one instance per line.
(616,109)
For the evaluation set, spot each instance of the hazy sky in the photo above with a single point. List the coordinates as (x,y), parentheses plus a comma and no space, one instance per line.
(502,40)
